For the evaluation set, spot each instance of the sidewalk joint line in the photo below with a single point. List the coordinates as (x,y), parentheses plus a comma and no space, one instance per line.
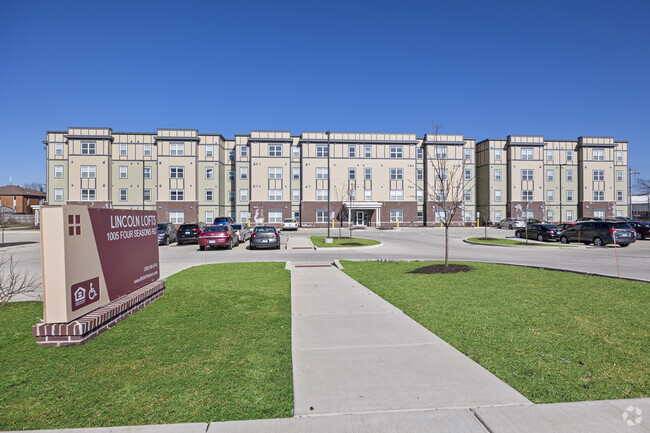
(425,409)
(481,421)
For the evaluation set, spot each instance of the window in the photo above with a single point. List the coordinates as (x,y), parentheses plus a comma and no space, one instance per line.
(275,150)
(88,195)
(419,174)
(468,154)
(599,195)
(367,173)
(275,216)
(550,215)
(209,195)
(440,195)
(146,195)
(569,195)
(468,216)
(231,214)
(231,155)
(396,151)
(58,194)
(467,175)
(367,195)
(275,172)
(90,171)
(243,152)
(396,215)
(321,195)
(419,195)
(467,195)
(124,172)
(498,216)
(352,194)
(526,174)
(275,195)
(527,153)
(497,195)
(619,175)
(58,149)
(550,195)
(322,152)
(231,196)
(58,171)
(569,155)
(367,151)
(619,156)
(209,172)
(497,174)
(419,152)
(147,172)
(244,216)
(87,148)
(569,175)
(243,195)
(396,195)
(124,151)
(243,173)
(352,152)
(146,149)
(209,150)
(527,195)
(599,175)
(599,154)
(497,154)
(420,216)
(176,195)
(352,173)
(440,175)
(177,149)
(550,175)
(295,195)
(396,174)
(124,194)
(231,175)
(176,172)
(321,173)
(569,215)
(295,173)
(321,216)
(619,195)
(295,151)
(440,152)
(176,216)
(549,155)
(620,213)
(599,213)
(209,217)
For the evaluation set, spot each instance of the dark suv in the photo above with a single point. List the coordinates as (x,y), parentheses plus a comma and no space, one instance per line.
(189,233)
(166,233)
(600,233)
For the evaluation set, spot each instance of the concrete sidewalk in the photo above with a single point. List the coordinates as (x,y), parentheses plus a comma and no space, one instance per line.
(299,243)
(353,352)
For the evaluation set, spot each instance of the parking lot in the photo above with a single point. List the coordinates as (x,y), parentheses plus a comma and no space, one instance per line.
(401,244)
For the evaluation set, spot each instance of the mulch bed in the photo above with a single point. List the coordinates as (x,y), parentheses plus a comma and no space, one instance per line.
(441,269)
(14,244)
(356,244)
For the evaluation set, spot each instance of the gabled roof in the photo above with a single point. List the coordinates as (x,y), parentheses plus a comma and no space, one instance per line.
(19,190)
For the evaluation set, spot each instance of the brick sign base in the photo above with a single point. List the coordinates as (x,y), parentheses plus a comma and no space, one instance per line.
(94,323)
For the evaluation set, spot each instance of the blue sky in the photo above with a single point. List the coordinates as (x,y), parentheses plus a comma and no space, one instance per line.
(485,69)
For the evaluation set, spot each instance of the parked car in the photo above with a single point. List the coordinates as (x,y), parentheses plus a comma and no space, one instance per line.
(166,233)
(566,226)
(189,233)
(600,233)
(223,221)
(641,228)
(290,224)
(265,237)
(243,232)
(218,236)
(511,223)
(590,219)
(627,219)
(530,221)
(541,232)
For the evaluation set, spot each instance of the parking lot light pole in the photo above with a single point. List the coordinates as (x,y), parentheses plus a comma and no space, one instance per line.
(328,185)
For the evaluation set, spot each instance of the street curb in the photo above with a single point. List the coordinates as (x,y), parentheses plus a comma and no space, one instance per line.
(380,244)
(515,246)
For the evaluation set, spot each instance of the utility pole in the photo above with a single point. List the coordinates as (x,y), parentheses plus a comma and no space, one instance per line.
(329,214)
(630,171)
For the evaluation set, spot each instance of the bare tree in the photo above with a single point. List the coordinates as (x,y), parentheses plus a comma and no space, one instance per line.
(446,192)
(14,282)
(343,194)
(484,209)
(643,185)
(36,186)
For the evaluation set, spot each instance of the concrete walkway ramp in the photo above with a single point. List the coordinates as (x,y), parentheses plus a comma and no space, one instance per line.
(353,352)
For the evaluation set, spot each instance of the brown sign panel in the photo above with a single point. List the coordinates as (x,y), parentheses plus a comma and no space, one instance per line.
(84,293)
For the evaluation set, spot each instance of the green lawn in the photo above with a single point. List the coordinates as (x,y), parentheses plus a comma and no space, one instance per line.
(502,241)
(319,241)
(215,347)
(553,336)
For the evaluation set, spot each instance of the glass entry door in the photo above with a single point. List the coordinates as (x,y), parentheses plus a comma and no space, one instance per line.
(361,218)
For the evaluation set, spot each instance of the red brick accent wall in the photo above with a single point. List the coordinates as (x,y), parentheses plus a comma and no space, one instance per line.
(538,207)
(261,210)
(587,208)
(191,209)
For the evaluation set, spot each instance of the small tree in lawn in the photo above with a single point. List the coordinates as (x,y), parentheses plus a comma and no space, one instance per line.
(14,282)
(344,194)
(446,192)
(484,209)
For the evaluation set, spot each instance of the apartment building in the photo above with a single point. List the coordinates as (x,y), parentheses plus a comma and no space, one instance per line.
(528,176)
(354,178)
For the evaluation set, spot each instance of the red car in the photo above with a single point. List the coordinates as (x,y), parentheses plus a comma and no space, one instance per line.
(218,236)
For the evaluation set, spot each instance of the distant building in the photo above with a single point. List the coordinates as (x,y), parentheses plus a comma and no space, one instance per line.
(641,206)
(20,200)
